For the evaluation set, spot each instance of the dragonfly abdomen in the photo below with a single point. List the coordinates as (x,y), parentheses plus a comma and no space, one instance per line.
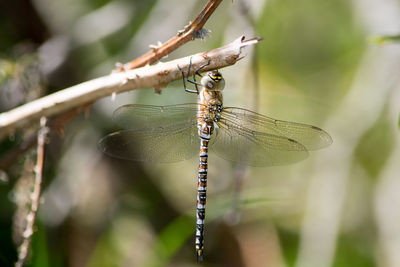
(205,130)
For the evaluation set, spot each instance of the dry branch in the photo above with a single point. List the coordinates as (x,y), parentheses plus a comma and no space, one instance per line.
(156,76)
(183,36)
(35,194)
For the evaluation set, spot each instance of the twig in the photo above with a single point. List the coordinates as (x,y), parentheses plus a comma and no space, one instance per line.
(35,196)
(187,34)
(157,76)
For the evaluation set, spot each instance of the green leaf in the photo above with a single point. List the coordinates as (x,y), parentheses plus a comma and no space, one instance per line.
(385,38)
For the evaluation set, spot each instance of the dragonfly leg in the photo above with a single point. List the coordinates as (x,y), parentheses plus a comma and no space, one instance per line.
(199,69)
(184,79)
(196,72)
(194,77)
(184,83)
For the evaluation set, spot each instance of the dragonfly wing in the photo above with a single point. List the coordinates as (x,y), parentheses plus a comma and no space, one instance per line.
(162,144)
(138,116)
(309,136)
(235,143)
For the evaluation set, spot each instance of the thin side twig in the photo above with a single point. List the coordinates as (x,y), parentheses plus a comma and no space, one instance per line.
(156,76)
(35,195)
(183,36)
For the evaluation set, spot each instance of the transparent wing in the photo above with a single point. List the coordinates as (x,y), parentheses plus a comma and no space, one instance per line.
(235,143)
(153,133)
(162,144)
(309,136)
(138,116)
(253,139)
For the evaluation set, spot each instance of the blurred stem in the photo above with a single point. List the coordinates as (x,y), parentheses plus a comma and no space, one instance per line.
(240,170)
(35,195)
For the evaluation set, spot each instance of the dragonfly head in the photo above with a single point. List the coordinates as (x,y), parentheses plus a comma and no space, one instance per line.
(213,81)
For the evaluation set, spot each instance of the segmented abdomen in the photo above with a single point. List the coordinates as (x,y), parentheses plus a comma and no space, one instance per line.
(205,131)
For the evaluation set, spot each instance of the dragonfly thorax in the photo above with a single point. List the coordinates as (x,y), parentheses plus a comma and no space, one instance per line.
(214,112)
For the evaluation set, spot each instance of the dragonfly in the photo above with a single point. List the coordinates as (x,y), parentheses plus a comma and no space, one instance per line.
(173,133)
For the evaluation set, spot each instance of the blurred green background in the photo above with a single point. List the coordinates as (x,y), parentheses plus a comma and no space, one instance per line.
(316,65)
